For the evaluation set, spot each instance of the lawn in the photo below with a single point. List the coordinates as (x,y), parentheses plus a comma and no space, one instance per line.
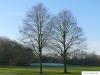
(73,70)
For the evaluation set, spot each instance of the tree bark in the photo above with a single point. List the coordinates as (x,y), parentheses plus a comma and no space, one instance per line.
(65,64)
(41,65)
(41,62)
(65,59)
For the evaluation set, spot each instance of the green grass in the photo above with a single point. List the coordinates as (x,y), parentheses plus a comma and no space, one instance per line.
(73,70)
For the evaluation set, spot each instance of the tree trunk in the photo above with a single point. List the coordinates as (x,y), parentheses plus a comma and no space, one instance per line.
(65,65)
(64,56)
(41,63)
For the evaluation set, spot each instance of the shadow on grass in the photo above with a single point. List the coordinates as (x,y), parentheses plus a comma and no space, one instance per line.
(59,73)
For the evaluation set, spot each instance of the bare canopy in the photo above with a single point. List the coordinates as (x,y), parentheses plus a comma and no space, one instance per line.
(36,30)
(67,35)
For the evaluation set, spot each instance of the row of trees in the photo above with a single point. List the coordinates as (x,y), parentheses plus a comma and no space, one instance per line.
(82,58)
(85,59)
(13,53)
(43,32)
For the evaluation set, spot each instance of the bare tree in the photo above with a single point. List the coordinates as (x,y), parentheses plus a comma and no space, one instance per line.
(36,30)
(67,36)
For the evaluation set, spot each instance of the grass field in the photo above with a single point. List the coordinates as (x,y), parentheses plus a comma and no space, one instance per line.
(47,70)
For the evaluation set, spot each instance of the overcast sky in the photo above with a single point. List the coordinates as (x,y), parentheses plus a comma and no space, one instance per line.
(87,12)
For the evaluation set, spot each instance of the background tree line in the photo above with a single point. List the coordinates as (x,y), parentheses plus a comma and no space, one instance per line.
(81,58)
(12,53)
